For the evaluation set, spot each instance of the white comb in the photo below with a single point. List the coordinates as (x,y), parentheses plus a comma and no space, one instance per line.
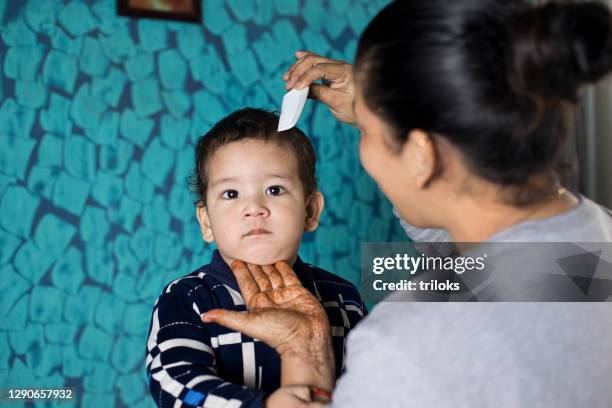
(293,105)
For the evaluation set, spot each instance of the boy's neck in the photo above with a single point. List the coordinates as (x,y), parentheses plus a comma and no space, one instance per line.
(228,260)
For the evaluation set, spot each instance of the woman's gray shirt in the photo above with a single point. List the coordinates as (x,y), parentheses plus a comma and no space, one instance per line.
(499,355)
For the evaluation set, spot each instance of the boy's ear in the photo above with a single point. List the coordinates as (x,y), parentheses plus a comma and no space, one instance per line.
(204,221)
(314,208)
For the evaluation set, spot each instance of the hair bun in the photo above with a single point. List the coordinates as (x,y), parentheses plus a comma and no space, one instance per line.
(590,30)
(559,47)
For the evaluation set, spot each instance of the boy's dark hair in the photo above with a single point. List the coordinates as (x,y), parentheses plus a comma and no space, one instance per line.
(258,124)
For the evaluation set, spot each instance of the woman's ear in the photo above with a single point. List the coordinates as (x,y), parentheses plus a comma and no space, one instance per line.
(314,208)
(420,153)
(204,221)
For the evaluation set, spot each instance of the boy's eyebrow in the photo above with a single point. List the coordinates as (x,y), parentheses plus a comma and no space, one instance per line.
(221,181)
(282,176)
(229,179)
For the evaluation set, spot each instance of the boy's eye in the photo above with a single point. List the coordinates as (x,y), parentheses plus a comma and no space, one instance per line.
(230,194)
(275,190)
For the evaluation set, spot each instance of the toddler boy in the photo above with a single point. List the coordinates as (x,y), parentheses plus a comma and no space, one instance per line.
(257,194)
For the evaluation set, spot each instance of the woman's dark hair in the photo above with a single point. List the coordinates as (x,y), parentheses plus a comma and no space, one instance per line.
(498,79)
(250,123)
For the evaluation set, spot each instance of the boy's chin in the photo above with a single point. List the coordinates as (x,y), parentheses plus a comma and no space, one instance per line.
(262,260)
(260,257)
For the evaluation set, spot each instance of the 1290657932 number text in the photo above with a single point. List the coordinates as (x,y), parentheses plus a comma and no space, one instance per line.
(29,394)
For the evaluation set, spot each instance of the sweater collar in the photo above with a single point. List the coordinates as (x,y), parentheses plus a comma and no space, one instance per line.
(222,272)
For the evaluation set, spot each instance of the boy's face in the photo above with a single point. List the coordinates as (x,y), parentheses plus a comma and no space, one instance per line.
(255,205)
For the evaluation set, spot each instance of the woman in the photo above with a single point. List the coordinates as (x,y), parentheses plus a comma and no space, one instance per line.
(463,109)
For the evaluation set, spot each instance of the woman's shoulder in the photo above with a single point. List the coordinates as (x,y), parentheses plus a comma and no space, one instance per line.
(587,222)
(597,220)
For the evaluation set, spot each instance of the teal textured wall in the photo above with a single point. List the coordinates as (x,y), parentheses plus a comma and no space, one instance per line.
(98,119)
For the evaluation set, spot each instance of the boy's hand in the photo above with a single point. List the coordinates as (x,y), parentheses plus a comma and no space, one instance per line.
(286,316)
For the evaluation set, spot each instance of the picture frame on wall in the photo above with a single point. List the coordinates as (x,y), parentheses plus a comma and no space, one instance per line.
(182,10)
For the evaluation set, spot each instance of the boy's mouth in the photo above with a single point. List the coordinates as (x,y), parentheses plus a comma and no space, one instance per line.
(257,231)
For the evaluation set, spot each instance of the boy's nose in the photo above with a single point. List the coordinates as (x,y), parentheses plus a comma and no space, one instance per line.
(255,209)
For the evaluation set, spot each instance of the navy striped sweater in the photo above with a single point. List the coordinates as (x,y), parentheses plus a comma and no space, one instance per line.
(190,363)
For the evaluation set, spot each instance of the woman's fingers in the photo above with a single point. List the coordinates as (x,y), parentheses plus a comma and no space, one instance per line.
(301,56)
(247,284)
(238,321)
(287,273)
(324,94)
(296,76)
(331,71)
(337,91)
(253,279)
(274,276)
(292,396)
(298,69)
(260,277)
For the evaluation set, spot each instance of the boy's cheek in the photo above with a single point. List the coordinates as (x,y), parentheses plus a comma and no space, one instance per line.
(290,216)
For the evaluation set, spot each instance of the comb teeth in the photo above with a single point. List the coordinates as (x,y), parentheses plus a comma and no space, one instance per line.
(293,105)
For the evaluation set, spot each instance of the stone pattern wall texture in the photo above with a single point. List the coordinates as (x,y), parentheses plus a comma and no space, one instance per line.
(98,119)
